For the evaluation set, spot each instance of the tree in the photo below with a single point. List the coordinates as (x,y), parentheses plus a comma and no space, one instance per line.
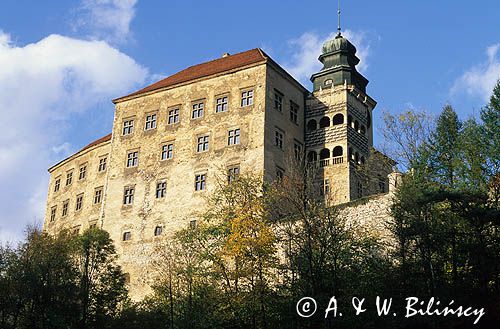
(101,282)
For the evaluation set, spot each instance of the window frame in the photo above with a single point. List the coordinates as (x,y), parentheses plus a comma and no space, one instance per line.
(132,160)
(202,143)
(79,202)
(279,137)
(128,198)
(278,100)
(69,177)
(174,114)
(84,167)
(294,112)
(128,126)
(224,105)
(247,97)
(167,151)
(161,189)
(234,137)
(103,163)
(98,194)
(151,121)
(198,108)
(200,182)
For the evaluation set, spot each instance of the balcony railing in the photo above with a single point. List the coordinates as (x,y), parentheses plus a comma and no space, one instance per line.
(326,162)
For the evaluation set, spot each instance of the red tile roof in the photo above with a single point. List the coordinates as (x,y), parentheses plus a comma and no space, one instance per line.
(94,143)
(215,66)
(97,142)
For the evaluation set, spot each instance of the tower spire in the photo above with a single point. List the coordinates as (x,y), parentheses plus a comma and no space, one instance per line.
(338,13)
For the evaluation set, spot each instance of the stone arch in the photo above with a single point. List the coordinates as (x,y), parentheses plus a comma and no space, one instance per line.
(356,125)
(350,153)
(338,119)
(311,125)
(312,156)
(324,122)
(356,157)
(324,154)
(337,151)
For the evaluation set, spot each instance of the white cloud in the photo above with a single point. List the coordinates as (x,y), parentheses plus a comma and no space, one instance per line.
(479,80)
(106,19)
(306,49)
(44,85)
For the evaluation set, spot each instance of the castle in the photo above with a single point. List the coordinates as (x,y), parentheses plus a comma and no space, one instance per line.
(237,113)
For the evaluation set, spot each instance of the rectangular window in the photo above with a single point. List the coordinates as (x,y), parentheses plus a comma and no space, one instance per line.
(158,230)
(128,195)
(221,104)
(233,137)
(128,127)
(326,187)
(197,111)
(79,202)
(132,159)
(202,144)
(278,100)
(98,195)
(83,172)
(57,184)
(127,236)
(167,151)
(360,189)
(246,98)
(200,182)
(150,121)
(232,174)
(192,224)
(297,150)
(65,208)
(173,116)
(278,139)
(69,178)
(53,213)
(161,189)
(294,113)
(102,164)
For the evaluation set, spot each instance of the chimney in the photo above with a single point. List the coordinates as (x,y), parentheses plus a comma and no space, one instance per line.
(225,55)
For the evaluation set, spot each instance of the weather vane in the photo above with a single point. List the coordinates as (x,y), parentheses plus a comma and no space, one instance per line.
(338,12)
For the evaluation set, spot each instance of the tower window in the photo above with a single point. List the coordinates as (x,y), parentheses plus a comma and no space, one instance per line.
(158,230)
(294,112)
(360,189)
(192,224)
(173,116)
(200,182)
(247,98)
(362,130)
(79,202)
(127,236)
(232,173)
(69,178)
(233,137)
(161,189)
(202,144)
(311,125)
(98,195)
(83,172)
(53,213)
(278,139)
(102,164)
(221,104)
(197,111)
(324,122)
(356,125)
(128,195)
(167,151)
(128,127)
(132,159)
(150,121)
(338,119)
(349,120)
(337,151)
(312,156)
(65,208)
(324,154)
(278,100)
(57,184)
(297,150)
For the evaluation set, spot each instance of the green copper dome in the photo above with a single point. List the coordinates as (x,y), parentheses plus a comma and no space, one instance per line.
(339,43)
(339,60)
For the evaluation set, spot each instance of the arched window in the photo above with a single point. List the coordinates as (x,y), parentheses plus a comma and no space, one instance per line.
(362,129)
(362,160)
(338,119)
(356,157)
(349,120)
(350,154)
(324,154)
(324,122)
(356,125)
(312,156)
(337,151)
(311,125)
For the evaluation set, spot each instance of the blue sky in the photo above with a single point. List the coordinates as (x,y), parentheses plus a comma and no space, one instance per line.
(61,63)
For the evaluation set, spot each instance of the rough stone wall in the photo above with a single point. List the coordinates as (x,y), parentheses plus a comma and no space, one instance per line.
(76,221)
